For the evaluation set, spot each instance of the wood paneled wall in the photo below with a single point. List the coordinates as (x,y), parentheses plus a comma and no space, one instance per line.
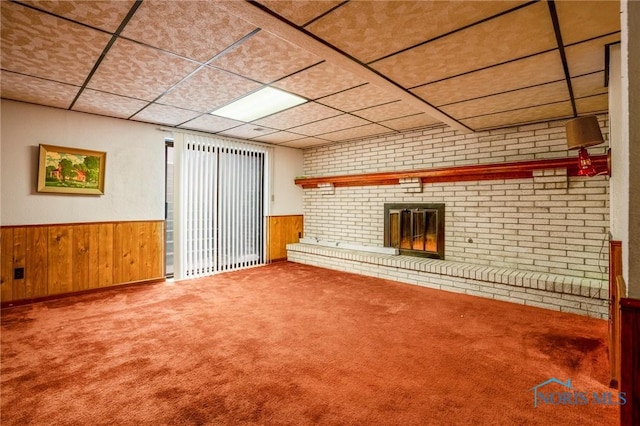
(615,270)
(282,230)
(630,361)
(68,258)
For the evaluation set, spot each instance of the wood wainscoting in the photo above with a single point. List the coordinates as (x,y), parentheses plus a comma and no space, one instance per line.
(615,271)
(282,230)
(630,361)
(45,260)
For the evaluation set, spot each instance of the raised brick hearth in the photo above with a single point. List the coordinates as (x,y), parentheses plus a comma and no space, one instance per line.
(564,293)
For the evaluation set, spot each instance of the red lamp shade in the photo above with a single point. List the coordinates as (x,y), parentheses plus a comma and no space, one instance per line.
(583,132)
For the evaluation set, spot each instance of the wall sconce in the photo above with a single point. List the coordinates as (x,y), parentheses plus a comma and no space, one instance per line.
(583,132)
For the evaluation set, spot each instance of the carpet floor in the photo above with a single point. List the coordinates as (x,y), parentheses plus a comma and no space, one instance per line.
(291,344)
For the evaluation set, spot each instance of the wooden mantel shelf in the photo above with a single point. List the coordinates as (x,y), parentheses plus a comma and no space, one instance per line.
(513,170)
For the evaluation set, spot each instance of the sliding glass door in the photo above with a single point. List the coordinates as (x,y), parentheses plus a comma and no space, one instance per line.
(220,215)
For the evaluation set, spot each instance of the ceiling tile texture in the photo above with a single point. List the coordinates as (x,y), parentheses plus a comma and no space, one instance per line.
(366,68)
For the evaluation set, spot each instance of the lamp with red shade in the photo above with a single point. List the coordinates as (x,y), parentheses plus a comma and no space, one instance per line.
(583,132)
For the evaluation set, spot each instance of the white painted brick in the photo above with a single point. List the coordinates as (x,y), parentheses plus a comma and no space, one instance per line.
(350,213)
(509,299)
(545,306)
(526,296)
(594,308)
(561,302)
(480,293)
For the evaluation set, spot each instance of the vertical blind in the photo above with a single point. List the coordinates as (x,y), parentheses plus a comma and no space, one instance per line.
(219,205)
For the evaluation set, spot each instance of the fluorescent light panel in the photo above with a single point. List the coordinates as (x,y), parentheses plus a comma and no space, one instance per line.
(260,103)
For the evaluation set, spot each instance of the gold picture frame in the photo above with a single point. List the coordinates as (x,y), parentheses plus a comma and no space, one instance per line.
(71,170)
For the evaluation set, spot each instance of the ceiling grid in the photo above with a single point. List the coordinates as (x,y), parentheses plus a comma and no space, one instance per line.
(366,68)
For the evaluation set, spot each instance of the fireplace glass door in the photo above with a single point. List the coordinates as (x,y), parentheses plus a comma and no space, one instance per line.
(416,230)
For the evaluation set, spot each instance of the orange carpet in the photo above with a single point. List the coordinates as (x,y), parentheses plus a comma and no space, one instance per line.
(290,344)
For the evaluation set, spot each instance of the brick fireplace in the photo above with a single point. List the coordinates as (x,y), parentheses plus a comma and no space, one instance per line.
(549,224)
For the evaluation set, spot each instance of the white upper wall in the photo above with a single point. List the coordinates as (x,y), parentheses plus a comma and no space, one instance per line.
(619,124)
(134,185)
(630,97)
(288,163)
(134,178)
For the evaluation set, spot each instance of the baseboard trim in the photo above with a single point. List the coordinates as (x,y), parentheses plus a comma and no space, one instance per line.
(22,302)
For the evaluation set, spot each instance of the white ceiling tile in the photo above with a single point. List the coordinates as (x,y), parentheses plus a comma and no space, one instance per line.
(36,90)
(518,34)
(266,58)
(131,69)
(194,29)
(211,123)
(41,45)
(165,115)
(102,103)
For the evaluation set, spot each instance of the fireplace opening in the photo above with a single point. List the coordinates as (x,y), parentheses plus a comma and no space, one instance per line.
(415,229)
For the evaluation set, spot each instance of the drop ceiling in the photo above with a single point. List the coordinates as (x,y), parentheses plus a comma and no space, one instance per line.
(367,68)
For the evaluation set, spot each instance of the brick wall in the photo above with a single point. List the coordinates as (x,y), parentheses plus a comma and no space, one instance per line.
(550,223)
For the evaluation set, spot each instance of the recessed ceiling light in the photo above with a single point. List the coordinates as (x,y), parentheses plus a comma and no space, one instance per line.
(258,104)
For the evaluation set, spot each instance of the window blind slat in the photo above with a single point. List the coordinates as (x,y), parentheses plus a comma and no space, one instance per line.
(222,211)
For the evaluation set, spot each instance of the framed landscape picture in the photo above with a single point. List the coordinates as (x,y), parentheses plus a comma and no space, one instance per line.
(71,170)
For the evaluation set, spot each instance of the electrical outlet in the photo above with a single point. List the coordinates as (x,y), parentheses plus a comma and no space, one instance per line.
(18,273)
